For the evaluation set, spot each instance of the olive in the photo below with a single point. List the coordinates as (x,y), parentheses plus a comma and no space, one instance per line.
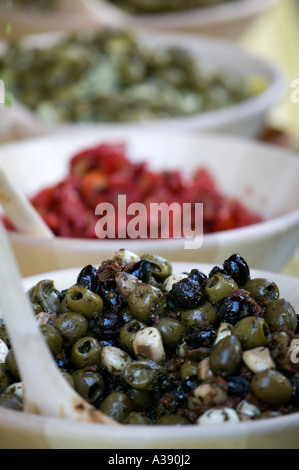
(198,276)
(4,378)
(272,387)
(12,366)
(219,286)
(237,268)
(235,307)
(117,406)
(128,333)
(185,294)
(71,326)
(252,332)
(143,374)
(161,268)
(52,337)
(136,418)
(146,301)
(81,300)
(262,289)
(108,324)
(141,399)
(202,313)
(200,335)
(141,270)
(68,377)
(172,420)
(11,401)
(280,313)
(45,297)
(188,369)
(226,356)
(86,352)
(238,386)
(90,385)
(172,331)
(87,278)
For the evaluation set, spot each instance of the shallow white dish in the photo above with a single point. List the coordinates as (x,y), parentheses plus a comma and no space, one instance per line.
(246,118)
(23,431)
(263,177)
(228,20)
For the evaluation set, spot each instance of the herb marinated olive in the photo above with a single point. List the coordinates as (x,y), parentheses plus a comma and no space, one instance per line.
(172,331)
(86,352)
(219,286)
(53,338)
(117,406)
(146,301)
(161,268)
(128,333)
(272,387)
(90,385)
(81,300)
(143,374)
(280,313)
(188,369)
(252,332)
(136,418)
(45,297)
(206,312)
(226,357)
(237,268)
(262,289)
(71,326)
(141,399)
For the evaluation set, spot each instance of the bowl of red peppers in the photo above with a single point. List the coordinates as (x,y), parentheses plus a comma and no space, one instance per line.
(186,196)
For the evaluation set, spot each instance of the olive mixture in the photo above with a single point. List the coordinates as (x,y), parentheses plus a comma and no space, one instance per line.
(163,6)
(110,76)
(150,347)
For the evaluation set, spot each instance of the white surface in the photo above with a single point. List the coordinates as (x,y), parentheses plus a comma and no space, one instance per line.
(263,177)
(245,119)
(20,430)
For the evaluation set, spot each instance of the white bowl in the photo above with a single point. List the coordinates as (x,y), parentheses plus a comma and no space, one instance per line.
(263,177)
(246,118)
(228,20)
(21,430)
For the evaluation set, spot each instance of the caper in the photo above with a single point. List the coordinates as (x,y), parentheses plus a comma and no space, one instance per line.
(226,356)
(262,290)
(86,352)
(272,387)
(90,385)
(71,326)
(219,286)
(143,374)
(117,406)
(81,300)
(252,332)
(280,313)
(136,418)
(146,301)
(172,420)
(161,268)
(172,331)
(52,337)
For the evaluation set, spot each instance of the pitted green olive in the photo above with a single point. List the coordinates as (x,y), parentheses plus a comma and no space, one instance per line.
(161,267)
(219,286)
(252,332)
(226,356)
(272,387)
(146,301)
(172,331)
(81,300)
(262,290)
(280,313)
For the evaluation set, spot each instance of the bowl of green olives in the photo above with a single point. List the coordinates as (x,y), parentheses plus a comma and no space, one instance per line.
(245,170)
(219,18)
(209,351)
(133,78)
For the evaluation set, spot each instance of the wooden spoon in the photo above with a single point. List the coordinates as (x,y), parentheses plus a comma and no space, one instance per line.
(20,211)
(47,392)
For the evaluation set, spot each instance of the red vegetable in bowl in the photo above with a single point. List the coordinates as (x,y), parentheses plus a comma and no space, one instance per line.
(102,173)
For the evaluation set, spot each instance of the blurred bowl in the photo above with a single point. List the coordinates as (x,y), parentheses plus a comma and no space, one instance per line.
(263,177)
(228,20)
(24,431)
(246,118)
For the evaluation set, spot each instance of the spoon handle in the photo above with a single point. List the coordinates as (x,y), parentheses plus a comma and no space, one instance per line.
(46,390)
(19,210)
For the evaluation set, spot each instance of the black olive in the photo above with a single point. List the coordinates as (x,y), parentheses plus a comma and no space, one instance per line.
(236,306)
(141,270)
(88,278)
(238,386)
(185,294)
(200,335)
(198,276)
(237,268)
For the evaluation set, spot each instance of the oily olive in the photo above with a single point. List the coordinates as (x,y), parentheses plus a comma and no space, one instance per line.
(141,399)
(219,286)
(172,420)
(146,301)
(188,369)
(12,366)
(117,406)
(143,374)
(136,418)
(86,352)
(280,313)
(237,268)
(192,317)
(161,268)
(81,300)
(45,297)
(4,378)
(272,387)
(71,326)
(90,385)
(252,332)
(172,331)
(226,356)
(262,290)
(128,333)
(52,337)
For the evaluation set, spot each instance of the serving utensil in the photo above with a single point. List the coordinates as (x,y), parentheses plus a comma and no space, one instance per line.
(20,211)
(47,392)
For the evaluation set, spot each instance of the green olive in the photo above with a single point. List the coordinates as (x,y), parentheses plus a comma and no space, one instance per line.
(188,369)
(146,301)
(161,268)
(71,326)
(128,333)
(117,406)
(45,297)
(141,399)
(172,420)
(68,377)
(136,418)
(52,337)
(252,332)
(226,356)
(272,387)
(12,366)
(86,352)
(219,286)
(4,378)
(81,300)
(172,331)
(143,374)
(262,290)
(90,385)
(205,312)
(280,313)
